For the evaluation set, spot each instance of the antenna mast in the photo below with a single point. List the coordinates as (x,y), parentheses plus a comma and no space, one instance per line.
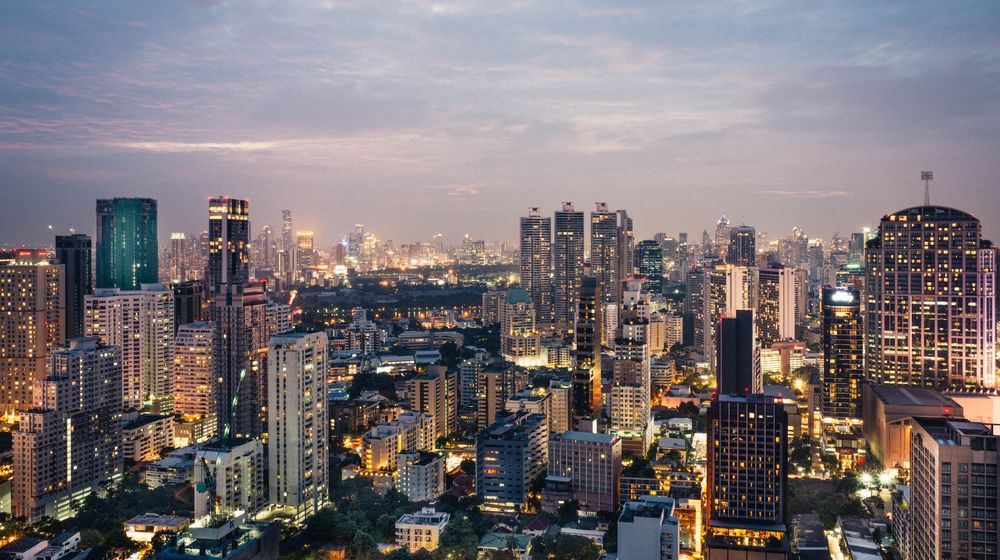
(927,177)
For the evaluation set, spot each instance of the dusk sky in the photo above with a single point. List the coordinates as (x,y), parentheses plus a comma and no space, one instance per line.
(416,117)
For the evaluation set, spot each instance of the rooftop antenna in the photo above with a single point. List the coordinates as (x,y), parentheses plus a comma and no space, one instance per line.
(927,177)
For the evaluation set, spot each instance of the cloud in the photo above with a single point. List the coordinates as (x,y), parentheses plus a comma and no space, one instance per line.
(191,147)
(805,194)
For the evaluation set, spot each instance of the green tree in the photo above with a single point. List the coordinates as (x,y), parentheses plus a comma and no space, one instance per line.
(458,541)
(564,547)
(568,511)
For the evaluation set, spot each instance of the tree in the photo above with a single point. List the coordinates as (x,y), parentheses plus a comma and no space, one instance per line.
(565,547)
(800,453)
(568,511)
(458,541)
(503,554)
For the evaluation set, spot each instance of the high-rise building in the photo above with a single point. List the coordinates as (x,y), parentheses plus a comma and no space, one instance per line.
(178,257)
(420,475)
(32,313)
(631,381)
(930,301)
(509,455)
(195,387)
(236,469)
(71,440)
(649,259)
(561,419)
(520,339)
(604,247)
(493,301)
(229,242)
(721,240)
(429,394)
(127,251)
(717,292)
(953,485)
(776,305)
(73,252)
(737,356)
(305,252)
(297,425)
(587,375)
(742,249)
(843,352)
(188,302)
(536,263)
(495,386)
(593,463)
(747,477)
(568,252)
(140,323)
(240,356)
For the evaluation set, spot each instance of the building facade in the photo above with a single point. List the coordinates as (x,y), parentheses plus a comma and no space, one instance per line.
(127,250)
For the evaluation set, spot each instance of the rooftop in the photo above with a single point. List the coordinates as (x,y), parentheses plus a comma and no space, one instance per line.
(912,396)
(586,436)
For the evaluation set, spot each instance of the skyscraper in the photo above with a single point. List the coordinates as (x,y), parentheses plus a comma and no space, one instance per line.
(747,477)
(536,263)
(71,441)
(188,297)
(229,242)
(240,351)
(742,249)
(73,252)
(141,324)
(178,257)
(776,305)
(717,292)
(297,427)
(843,352)
(429,394)
(127,251)
(568,254)
(195,387)
(587,376)
(604,246)
(930,301)
(649,258)
(31,324)
(631,379)
(737,356)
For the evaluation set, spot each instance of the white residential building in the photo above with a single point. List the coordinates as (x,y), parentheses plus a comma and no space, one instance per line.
(297,424)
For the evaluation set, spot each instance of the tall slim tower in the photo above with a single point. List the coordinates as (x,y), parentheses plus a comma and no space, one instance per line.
(604,247)
(240,354)
(229,241)
(298,428)
(568,265)
(649,258)
(776,305)
(73,252)
(737,355)
(32,311)
(195,387)
(127,251)
(587,376)
(930,301)
(178,257)
(631,378)
(536,263)
(843,349)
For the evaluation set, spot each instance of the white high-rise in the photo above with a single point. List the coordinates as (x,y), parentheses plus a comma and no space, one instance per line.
(141,323)
(297,423)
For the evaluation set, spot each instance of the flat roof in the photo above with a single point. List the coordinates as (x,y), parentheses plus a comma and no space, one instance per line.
(587,436)
(912,396)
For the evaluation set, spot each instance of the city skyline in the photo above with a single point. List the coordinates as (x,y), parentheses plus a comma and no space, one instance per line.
(776,115)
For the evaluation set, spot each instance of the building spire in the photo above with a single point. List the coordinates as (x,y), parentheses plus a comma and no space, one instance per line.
(927,177)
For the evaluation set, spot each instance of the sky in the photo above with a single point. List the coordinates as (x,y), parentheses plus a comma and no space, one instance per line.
(417,117)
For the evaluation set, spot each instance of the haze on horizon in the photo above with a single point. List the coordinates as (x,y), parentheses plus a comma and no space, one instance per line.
(433,116)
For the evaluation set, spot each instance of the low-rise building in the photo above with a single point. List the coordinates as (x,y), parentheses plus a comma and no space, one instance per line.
(176,468)
(421,530)
(144,527)
(639,525)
